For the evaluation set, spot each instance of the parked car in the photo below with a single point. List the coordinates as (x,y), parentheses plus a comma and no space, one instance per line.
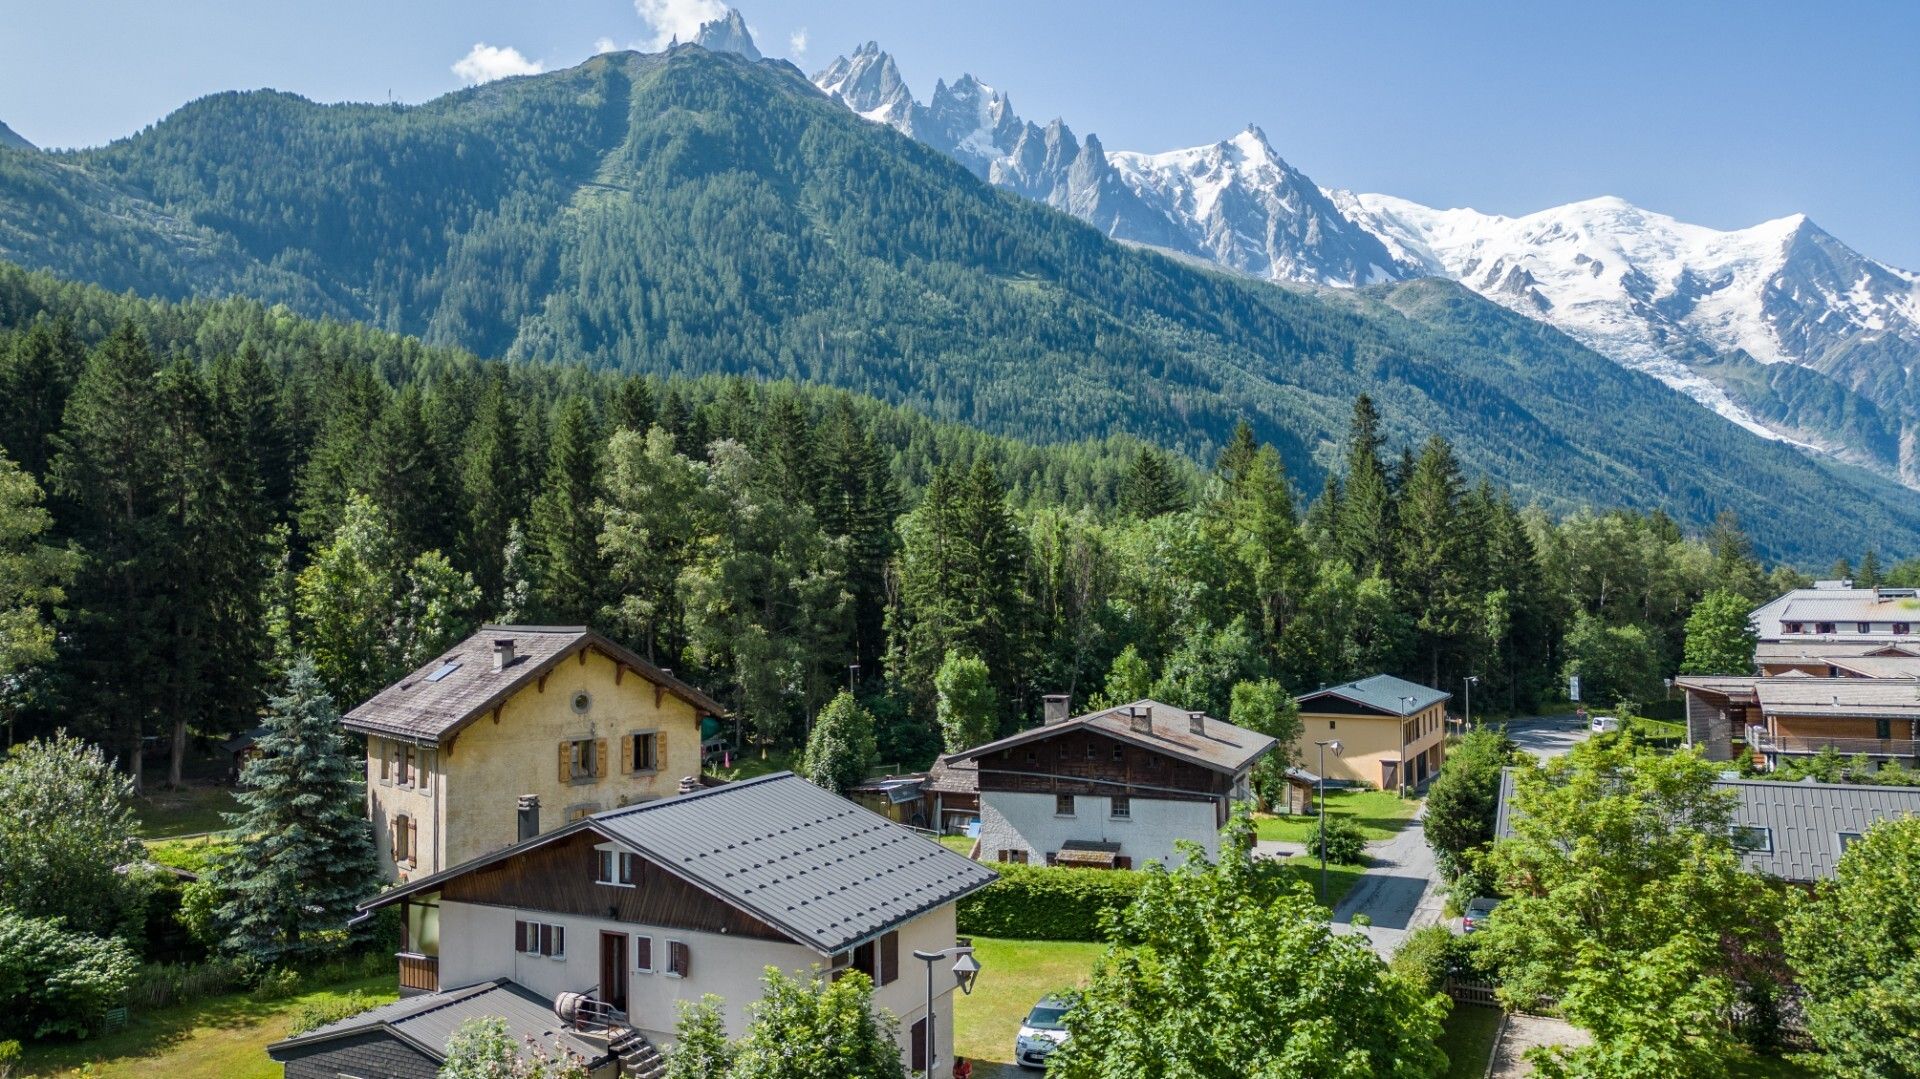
(1605,724)
(1041,1032)
(1477,912)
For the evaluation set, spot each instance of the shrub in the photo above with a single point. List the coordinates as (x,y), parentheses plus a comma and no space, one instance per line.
(276,983)
(1047,903)
(313,1016)
(1345,844)
(1427,957)
(53,981)
(160,984)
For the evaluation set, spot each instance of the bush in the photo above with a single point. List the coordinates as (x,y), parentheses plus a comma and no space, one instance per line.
(308,1017)
(1427,957)
(160,984)
(53,981)
(1345,844)
(277,983)
(1031,902)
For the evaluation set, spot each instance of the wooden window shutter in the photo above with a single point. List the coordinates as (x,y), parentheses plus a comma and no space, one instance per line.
(679,959)
(919,1052)
(386,760)
(413,842)
(643,953)
(546,939)
(566,761)
(660,751)
(626,752)
(393,837)
(519,935)
(599,757)
(889,958)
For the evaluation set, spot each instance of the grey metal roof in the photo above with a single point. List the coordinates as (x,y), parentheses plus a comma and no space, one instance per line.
(1804,821)
(1893,698)
(1726,685)
(1219,745)
(1384,693)
(1788,651)
(424,709)
(430,1020)
(824,870)
(1878,666)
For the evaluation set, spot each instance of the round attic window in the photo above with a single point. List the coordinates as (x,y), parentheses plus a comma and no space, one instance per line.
(583,702)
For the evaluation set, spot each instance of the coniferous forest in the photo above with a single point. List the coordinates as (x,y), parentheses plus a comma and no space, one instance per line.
(197,493)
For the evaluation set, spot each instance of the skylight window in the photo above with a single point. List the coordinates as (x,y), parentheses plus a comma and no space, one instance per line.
(443,670)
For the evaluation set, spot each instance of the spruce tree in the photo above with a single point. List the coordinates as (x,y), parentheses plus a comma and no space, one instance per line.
(1365,527)
(857,502)
(304,850)
(36,375)
(1151,487)
(564,556)
(1868,575)
(1434,570)
(490,480)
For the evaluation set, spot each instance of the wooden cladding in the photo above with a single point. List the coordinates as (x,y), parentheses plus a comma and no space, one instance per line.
(420,973)
(1088,762)
(559,878)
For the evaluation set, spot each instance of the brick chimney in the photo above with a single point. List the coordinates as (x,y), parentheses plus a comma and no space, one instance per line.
(529,817)
(1197,722)
(502,653)
(1057,707)
(1140,718)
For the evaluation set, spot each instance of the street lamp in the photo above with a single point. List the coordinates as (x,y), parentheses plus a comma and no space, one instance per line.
(1334,744)
(965,970)
(1470,680)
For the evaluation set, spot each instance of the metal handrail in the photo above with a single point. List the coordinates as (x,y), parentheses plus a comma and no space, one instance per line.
(1872,747)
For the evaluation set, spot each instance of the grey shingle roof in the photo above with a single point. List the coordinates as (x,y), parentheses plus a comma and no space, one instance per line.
(1875,697)
(422,709)
(1220,745)
(1804,821)
(825,871)
(430,1020)
(1384,693)
(1790,650)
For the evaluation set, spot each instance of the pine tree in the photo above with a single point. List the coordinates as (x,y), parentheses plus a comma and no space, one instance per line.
(36,375)
(857,502)
(304,850)
(1434,568)
(1868,575)
(1366,519)
(490,480)
(1151,487)
(1237,455)
(564,556)
(632,405)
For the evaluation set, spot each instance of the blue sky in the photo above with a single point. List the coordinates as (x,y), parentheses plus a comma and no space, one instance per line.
(1724,114)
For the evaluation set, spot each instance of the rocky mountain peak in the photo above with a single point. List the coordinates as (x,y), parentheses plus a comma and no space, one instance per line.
(727,34)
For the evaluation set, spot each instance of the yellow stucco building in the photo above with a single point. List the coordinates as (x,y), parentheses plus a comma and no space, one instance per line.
(515,731)
(1392,732)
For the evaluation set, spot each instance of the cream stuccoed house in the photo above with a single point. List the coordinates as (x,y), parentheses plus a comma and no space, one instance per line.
(518,730)
(616,918)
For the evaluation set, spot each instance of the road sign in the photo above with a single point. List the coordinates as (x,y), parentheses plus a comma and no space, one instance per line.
(1573,687)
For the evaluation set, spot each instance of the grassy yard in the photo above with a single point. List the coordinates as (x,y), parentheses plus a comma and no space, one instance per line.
(958,843)
(1754,1066)
(1378,813)
(190,811)
(1340,878)
(219,1038)
(1014,975)
(752,763)
(1467,1036)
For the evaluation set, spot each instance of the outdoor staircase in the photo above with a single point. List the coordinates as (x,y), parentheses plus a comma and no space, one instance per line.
(639,1057)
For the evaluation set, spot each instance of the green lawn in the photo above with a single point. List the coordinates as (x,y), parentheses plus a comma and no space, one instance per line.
(190,811)
(222,1037)
(1340,878)
(1753,1066)
(1467,1036)
(959,843)
(1378,813)
(751,763)
(1014,975)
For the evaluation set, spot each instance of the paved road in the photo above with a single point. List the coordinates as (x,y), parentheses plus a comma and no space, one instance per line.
(1547,736)
(1399,892)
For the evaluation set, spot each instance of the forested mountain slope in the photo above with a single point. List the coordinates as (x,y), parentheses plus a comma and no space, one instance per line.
(699,213)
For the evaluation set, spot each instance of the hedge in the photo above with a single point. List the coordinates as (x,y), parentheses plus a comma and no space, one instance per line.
(1031,902)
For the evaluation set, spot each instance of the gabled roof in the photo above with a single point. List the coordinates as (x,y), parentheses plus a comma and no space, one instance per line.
(1220,745)
(424,709)
(819,868)
(1878,666)
(1893,698)
(949,775)
(1804,821)
(1382,693)
(428,1021)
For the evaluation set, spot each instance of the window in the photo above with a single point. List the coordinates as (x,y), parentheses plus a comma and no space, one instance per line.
(1329,724)
(1790,627)
(613,867)
(1903,627)
(643,752)
(420,928)
(1863,627)
(1119,754)
(540,938)
(1033,757)
(1848,839)
(1121,807)
(443,670)
(1014,856)
(1883,728)
(1752,839)
(1063,751)
(583,760)
(679,959)
(1063,805)
(1823,627)
(918,1055)
(405,841)
(386,759)
(406,765)
(1092,751)
(643,954)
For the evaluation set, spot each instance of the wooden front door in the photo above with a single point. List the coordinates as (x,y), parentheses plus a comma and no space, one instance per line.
(1389,775)
(613,969)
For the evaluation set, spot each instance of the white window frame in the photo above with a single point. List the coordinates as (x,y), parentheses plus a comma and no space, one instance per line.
(668,969)
(652,963)
(622,863)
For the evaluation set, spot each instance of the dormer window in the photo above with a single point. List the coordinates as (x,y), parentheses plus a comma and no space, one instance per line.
(1863,627)
(614,867)
(1823,627)
(1903,628)
(1791,627)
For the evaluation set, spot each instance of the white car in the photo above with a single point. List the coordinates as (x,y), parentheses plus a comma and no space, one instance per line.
(1041,1032)
(1604,724)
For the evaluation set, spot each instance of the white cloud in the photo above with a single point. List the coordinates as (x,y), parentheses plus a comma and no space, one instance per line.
(797,42)
(605,44)
(485,63)
(681,19)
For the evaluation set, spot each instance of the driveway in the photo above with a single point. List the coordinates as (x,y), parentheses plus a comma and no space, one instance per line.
(1547,737)
(1399,891)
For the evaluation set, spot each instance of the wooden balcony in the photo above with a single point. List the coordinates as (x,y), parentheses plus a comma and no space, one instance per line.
(419,973)
(1798,745)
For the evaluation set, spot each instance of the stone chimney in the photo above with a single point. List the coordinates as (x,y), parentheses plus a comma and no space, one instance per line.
(1140,718)
(502,653)
(1196,722)
(529,816)
(1057,707)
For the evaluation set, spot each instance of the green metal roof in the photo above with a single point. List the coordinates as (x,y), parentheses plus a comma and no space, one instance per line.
(1383,692)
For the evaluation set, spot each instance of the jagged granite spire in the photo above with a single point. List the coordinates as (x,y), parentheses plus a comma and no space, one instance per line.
(727,34)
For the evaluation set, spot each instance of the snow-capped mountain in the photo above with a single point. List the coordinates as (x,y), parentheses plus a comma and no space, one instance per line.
(1676,300)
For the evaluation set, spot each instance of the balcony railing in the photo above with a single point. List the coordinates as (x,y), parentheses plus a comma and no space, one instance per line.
(419,973)
(1847,747)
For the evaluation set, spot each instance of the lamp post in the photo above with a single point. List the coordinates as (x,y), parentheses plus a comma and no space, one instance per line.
(965,969)
(1322,777)
(1470,680)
